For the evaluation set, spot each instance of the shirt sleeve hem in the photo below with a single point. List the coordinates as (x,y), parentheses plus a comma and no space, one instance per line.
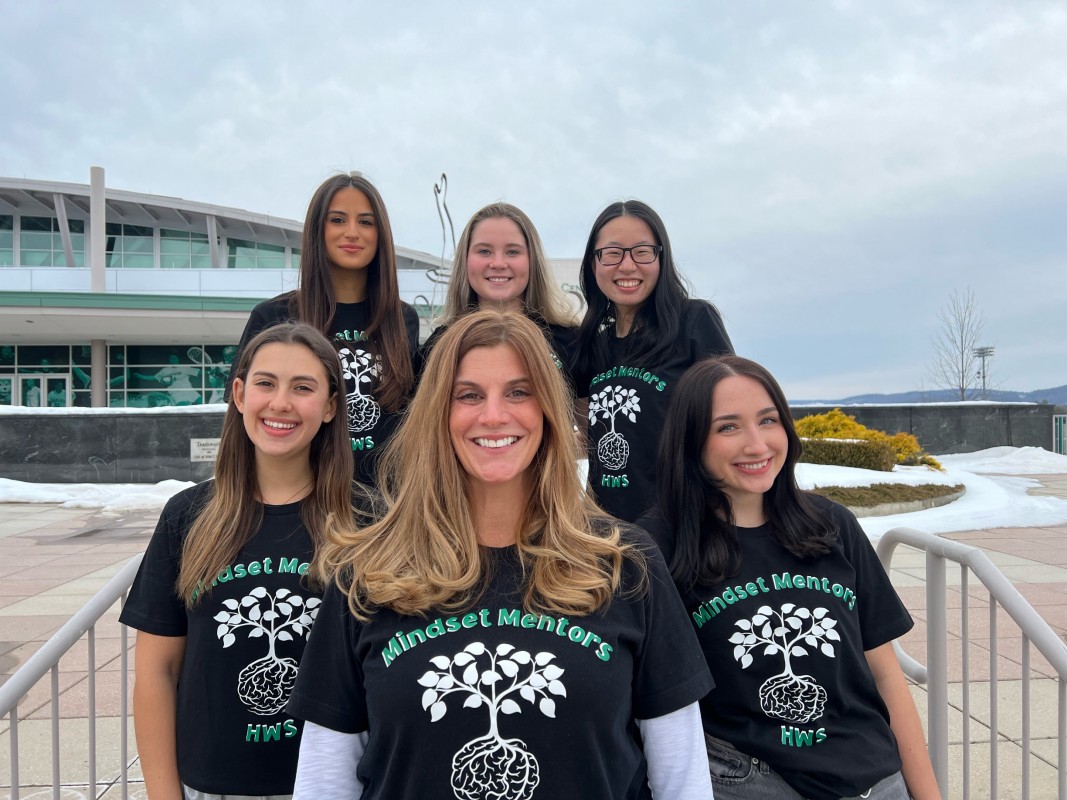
(325,716)
(674,698)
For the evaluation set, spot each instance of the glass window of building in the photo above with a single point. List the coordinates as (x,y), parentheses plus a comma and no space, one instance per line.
(243,254)
(129,246)
(150,376)
(7,240)
(184,250)
(41,243)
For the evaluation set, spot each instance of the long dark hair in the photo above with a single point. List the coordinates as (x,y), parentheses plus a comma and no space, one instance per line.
(231,516)
(314,302)
(657,323)
(697,511)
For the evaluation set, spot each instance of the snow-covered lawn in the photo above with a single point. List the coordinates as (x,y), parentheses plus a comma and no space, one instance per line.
(995,498)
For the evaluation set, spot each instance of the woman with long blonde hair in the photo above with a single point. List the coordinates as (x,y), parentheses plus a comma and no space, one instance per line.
(495,633)
(222,601)
(500,263)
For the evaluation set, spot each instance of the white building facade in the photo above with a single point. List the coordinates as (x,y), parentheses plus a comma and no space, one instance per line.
(116,298)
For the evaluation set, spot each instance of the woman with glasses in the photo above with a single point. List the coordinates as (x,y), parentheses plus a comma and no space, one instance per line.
(500,263)
(640,333)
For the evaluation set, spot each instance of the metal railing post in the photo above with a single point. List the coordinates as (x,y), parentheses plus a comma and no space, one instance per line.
(937,657)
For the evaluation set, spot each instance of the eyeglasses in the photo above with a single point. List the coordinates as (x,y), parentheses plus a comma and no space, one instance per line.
(642,254)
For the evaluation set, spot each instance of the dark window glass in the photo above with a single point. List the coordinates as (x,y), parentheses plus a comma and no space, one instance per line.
(81,354)
(37,224)
(7,222)
(162,354)
(137,230)
(38,356)
(113,229)
(81,399)
(76,225)
(7,355)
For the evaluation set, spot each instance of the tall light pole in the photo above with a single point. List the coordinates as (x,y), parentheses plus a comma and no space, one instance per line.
(984,353)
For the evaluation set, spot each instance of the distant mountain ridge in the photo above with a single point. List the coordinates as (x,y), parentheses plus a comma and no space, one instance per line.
(1055,396)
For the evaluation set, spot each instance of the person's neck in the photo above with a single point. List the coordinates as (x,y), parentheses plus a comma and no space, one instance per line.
(514,304)
(624,322)
(496,512)
(283,481)
(350,286)
(748,511)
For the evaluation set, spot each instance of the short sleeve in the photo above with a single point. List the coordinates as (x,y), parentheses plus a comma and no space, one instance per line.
(882,615)
(671,672)
(411,325)
(707,333)
(655,524)
(329,687)
(422,355)
(153,605)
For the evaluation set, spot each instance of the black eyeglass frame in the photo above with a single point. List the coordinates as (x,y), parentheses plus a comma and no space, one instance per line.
(657,250)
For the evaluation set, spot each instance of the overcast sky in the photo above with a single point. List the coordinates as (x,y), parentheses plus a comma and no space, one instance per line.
(829,172)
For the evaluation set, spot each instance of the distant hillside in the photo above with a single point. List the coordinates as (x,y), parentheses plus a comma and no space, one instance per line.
(1056,396)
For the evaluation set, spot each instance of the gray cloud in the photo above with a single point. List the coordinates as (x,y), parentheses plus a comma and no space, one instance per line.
(829,172)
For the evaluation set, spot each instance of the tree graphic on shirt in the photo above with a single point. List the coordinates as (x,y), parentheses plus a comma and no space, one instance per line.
(613,450)
(789,633)
(265,684)
(492,767)
(361,367)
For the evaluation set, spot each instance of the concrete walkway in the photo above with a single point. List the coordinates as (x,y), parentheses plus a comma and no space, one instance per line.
(53,559)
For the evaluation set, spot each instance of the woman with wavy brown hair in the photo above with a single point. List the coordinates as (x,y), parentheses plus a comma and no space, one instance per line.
(494,632)
(222,601)
(349,291)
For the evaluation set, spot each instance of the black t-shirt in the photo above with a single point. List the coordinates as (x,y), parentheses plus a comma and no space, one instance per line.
(369,425)
(243,644)
(495,702)
(785,640)
(560,337)
(628,406)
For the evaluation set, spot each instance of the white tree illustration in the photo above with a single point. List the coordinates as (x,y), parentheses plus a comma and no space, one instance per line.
(612,449)
(492,767)
(789,633)
(265,684)
(361,367)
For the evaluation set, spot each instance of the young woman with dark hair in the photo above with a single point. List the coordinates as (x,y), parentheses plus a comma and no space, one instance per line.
(494,633)
(641,331)
(349,291)
(501,263)
(221,601)
(793,610)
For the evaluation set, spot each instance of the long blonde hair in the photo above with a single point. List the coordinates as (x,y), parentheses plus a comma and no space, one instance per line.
(542,298)
(423,554)
(231,516)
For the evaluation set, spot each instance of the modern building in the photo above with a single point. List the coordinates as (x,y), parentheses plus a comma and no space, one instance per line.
(116,298)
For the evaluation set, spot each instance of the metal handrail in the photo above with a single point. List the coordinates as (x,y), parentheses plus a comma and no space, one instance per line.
(46,660)
(1033,627)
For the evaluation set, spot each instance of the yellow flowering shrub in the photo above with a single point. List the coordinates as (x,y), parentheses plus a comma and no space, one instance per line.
(836,424)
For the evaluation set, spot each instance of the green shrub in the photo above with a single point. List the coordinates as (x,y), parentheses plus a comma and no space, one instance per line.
(860,453)
(836,424)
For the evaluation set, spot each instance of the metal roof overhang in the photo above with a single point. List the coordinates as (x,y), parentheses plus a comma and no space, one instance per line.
(74,318)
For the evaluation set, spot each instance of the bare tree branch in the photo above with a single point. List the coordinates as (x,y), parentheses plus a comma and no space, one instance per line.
(955,365)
